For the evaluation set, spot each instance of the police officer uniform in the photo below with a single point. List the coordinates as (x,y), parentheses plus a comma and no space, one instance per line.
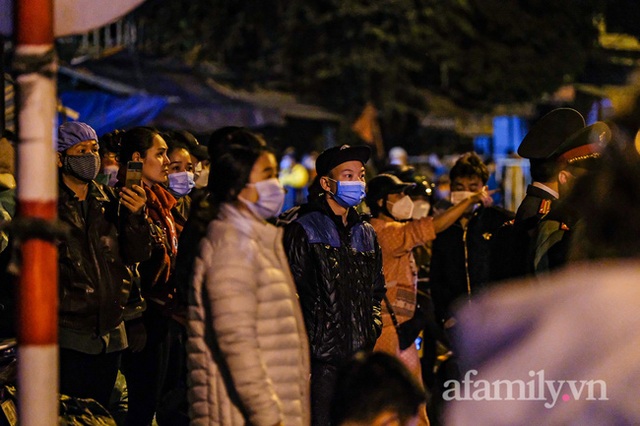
(539,145)
(553,233)
(511,248)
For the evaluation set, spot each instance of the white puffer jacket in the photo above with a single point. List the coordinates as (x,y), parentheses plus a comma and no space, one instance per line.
(248,353)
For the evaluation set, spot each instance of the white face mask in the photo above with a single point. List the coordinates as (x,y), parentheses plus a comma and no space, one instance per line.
(402,209)
(459,196)
(202,179)
(112,172)
(421,209)
(270,198)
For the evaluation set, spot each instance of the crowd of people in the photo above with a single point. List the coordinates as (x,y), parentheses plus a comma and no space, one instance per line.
(359,304)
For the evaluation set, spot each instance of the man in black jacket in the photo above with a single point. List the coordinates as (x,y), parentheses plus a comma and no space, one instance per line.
(337,266)
(106,232)
(460,254)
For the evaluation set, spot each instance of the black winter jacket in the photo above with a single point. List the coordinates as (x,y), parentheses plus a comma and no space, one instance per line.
(338,274)
(104,237)
(460,259)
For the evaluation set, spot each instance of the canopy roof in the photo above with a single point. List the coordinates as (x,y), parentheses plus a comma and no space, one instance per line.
(194,100)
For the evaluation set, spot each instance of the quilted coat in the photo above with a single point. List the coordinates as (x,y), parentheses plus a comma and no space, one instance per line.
(338,272)
(248,354)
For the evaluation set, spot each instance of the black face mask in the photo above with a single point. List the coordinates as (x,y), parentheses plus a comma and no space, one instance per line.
(85,167)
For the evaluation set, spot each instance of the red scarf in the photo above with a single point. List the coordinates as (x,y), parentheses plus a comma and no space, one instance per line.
(159,205)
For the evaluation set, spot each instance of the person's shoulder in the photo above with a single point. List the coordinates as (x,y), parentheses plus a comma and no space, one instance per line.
(499,214)
(364,221)
(230,228)
(551,224)
(288,217)
(296,213)
(378,224)
(103,193)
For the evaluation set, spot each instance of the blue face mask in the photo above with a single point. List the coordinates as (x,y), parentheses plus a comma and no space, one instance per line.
(348,193)
(181,183)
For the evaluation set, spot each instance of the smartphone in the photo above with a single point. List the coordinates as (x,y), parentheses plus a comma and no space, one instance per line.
(134,174)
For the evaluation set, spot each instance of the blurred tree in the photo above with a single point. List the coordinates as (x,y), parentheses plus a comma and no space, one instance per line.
(343,53)
(498,52)
(622,16)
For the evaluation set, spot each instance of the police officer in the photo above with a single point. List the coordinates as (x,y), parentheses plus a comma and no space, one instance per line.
(539,146)
(512,252)
(575,157)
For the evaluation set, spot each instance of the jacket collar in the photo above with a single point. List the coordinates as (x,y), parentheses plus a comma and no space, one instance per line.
(541,190)
(94,191)
(247,221)
(323,206)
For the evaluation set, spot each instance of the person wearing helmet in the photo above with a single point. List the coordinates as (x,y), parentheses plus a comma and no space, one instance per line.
(392,211)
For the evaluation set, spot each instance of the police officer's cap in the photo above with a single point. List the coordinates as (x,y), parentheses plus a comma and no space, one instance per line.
(585,144)
(337,155)
(548,133)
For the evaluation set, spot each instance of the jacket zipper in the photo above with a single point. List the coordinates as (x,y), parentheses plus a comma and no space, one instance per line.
(466,261)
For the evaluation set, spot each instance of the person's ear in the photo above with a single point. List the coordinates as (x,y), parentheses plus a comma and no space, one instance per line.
(59,159)
(563,177)
(324,184)
(135,156)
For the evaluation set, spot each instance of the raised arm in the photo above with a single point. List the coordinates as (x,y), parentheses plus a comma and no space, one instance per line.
(453,213)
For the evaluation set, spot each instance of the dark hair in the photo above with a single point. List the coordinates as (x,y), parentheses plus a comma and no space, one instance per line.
(110,142)
(183,139)
(138,139)
(374,208)
(468,165)
(233,154)
(315,190)
(543,170)
(173,143)
(182,136)
(372,383)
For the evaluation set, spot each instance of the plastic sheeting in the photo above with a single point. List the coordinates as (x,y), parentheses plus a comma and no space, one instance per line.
(105,112)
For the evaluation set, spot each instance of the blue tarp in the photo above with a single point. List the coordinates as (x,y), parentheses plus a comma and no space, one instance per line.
(105,112)
(195,105)
(6,18)
(196,102)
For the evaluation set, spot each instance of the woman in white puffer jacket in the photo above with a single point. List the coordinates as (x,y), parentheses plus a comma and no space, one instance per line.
(248,353)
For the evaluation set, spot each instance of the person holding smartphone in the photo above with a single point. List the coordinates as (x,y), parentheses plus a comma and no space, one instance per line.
(144,364)
(107,231)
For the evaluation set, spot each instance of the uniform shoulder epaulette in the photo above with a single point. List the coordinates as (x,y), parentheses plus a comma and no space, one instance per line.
(545,207)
